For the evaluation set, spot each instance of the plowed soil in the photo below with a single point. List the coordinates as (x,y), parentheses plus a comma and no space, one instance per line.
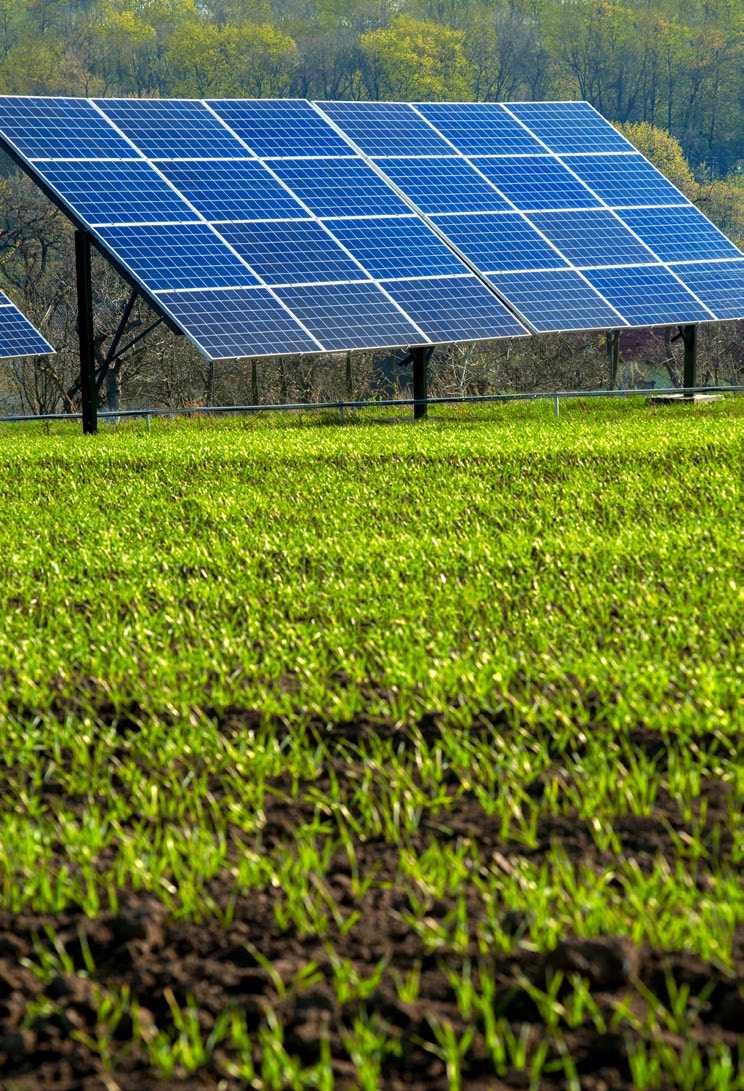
(48,1027)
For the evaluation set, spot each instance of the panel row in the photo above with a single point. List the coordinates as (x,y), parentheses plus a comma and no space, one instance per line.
(17,336)
(350,225)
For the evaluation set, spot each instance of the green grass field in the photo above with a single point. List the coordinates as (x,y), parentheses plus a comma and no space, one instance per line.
(383,755)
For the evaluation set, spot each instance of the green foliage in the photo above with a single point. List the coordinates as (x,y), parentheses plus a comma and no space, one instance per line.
(415,60)
(249,60)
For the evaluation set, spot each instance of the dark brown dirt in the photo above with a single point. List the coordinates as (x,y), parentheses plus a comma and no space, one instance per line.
(50,1023)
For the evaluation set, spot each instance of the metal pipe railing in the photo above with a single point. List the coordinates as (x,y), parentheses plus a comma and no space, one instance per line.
(343,406)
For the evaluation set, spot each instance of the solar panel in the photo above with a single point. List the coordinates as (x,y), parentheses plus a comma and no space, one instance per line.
(350,316)
(536,182)
(454,308)
(292,252)
(719,284)
(60,128)
(280,127)
(244,322)
(625,181)
(338,187)
(387,128)
(405,248)
(648,296)
(226,190)
(105,191)
(679,234)
(153,252)
(173,128)
(500,242)
(569,127)
(592,237)
(557,299)
(480,128)
(17,336)
(444,185)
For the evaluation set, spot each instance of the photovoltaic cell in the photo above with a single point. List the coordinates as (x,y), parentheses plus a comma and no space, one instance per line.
(349,316)
(292,253)
(648,296)
(719,284)
(557,300)
(443,185)
(339,187)
(17,336)
(595,237)
(679,234)
(400,247)
(60,128)
(454,309)
(241,189)
(177,256)
(245,322)
(532,182)
(386,128)
(625,180)
(479,128)
(103,192)
(280,127)
(569,126)
(172,128)
(500,242)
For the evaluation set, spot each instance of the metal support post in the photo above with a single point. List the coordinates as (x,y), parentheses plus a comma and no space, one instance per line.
(613,355)
(689,336)
(420,359)
(88,388)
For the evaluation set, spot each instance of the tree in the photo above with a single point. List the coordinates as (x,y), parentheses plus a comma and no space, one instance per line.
(413,59)
(251,60)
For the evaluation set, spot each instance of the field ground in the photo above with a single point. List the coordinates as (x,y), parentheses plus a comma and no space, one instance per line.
(374,756)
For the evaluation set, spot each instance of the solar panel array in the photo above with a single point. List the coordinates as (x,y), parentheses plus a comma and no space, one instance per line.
(563,217)
(266,227)
(17,336)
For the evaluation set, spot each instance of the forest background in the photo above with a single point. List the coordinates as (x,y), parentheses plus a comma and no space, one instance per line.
(668,72)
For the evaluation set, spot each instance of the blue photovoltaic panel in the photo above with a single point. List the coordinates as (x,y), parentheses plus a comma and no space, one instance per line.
(625,180)
(443,185)
(292,253)
(103,192)
(177,256)
(349,316)
(280,127)
(679,234)
(454,309)
(504,241)
(172,128)
(479,128)
(339,187)
(648,296)
(569,127)
(17,336)
(242,189)
(595,237)
(386,128)
(719,284)
(60,128)
(557,300)
(537,183)
(396,247)
(243,322)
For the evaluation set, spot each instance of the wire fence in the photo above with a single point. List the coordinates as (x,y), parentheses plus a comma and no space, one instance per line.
(556,396)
